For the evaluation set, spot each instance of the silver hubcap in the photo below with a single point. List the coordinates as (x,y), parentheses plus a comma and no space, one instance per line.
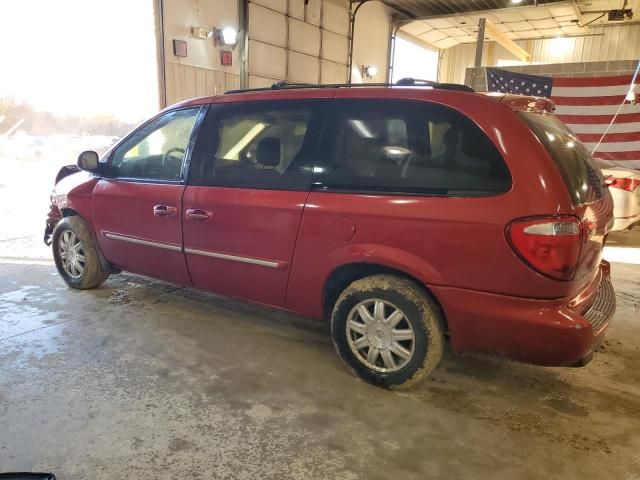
(72,254)
(380,336)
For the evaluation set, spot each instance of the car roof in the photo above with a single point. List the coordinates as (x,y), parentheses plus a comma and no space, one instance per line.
(433,91)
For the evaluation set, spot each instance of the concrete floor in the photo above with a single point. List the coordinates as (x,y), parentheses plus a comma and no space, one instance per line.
(140,379)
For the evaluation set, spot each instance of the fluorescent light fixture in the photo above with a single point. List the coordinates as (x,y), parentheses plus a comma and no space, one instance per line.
(516,1)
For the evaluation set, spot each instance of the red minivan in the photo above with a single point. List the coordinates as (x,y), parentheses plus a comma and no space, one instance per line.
(401,214)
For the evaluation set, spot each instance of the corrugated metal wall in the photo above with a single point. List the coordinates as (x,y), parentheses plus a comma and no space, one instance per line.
(609,43)
(297,41)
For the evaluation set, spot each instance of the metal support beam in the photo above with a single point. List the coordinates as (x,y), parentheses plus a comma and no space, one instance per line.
(243,19)
(480,42)
(161,65)
(391,54)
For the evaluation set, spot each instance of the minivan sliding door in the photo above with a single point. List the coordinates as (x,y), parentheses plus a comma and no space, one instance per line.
(249,182)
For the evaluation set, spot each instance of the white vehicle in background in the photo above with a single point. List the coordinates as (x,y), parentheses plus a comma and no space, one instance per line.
(624,185)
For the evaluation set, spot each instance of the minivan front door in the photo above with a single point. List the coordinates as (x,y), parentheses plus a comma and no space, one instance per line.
(247,190)
(137,205)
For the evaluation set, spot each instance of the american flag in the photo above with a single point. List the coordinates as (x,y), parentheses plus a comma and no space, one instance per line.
(587,105)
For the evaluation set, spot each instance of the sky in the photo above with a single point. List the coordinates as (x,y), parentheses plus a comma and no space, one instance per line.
(81,57)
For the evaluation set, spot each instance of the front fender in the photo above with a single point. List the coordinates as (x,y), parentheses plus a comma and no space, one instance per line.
(75,192)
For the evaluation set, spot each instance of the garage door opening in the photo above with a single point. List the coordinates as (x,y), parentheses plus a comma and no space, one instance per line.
(80,75)
(413,60)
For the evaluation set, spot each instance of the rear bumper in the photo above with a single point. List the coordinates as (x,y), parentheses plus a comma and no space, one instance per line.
(543,332)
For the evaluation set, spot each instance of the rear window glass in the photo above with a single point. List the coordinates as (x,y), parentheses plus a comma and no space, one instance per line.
(403,147)
(578,168)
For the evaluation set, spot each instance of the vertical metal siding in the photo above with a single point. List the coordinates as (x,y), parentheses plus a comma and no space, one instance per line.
(186,81)
(616,43)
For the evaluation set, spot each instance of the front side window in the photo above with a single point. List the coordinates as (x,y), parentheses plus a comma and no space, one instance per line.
(265,145)
(408,147)
(156,151)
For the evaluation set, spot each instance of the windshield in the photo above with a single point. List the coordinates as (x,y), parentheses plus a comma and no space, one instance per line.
(578,168)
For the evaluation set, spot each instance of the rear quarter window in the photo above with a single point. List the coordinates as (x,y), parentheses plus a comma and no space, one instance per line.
(581,174)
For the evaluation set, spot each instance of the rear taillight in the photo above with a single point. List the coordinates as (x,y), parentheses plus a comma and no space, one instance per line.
(549,245)
(629,184)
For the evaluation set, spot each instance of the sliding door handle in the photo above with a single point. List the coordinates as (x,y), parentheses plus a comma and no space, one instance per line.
(197,215)
(164,211)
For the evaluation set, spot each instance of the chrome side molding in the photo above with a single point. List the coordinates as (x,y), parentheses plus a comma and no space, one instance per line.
(234,258)
(194,251)
(140,241)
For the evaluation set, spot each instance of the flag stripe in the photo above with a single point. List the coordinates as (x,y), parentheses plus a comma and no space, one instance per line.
(600,128)
(587,101)
(591,91)
(614,146)
(609,137)
(618,155)
(592,81)
(599,119)
(595,110)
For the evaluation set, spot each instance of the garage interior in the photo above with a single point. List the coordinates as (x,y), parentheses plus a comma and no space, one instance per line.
(142,379)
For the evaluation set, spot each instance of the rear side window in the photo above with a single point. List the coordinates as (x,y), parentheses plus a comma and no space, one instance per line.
(579,170)
(266,145)
(408,147)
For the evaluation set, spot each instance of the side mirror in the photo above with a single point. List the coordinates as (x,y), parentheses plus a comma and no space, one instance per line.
(88,161)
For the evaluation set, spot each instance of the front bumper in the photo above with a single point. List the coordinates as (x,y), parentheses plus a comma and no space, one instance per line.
(53,217)
(543,332)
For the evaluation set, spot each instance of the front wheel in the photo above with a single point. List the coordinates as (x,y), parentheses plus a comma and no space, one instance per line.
(388,331)
(75,253)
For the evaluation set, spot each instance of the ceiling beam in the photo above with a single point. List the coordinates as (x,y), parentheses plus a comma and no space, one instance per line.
(492,32)
(510,9)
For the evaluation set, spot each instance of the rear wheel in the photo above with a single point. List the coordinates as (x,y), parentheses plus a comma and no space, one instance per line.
(388,331)
(75,253)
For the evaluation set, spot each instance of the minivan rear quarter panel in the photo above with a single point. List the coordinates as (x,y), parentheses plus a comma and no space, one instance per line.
(441,241)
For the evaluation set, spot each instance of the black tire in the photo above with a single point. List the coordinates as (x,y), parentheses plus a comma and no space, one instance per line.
(420,313)
(93,274)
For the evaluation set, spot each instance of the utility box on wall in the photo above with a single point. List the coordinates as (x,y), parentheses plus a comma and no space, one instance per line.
(226,58)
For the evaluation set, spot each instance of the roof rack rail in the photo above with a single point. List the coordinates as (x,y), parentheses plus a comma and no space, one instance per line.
(284,84)
(403,82)
(417,82)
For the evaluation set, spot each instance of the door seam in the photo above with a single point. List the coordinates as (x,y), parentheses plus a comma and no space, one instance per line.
(295,247)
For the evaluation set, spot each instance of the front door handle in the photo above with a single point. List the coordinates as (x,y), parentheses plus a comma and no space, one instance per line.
(164,211)
(197,214)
